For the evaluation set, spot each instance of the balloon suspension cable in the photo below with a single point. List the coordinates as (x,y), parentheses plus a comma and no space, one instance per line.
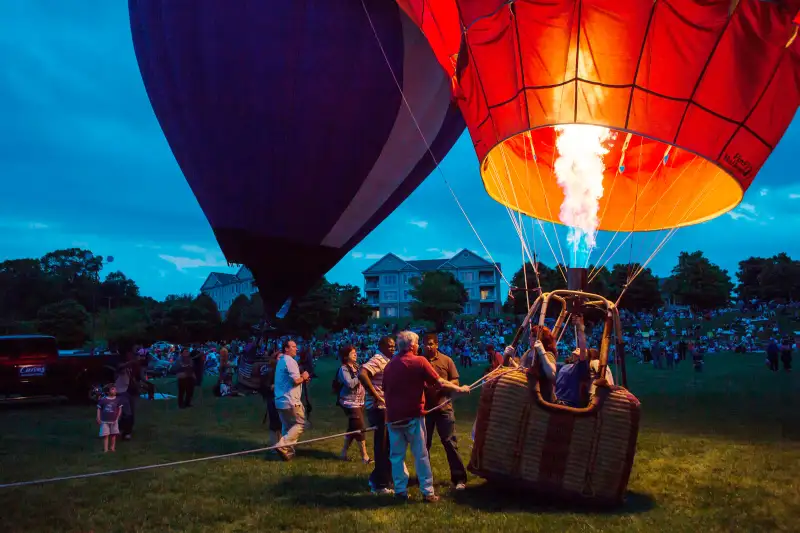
(639,193)
(689,211)
(425,140)
(661,197)
(518,226)
(495,175)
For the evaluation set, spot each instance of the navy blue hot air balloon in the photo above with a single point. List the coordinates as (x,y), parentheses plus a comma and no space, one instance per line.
(288,125)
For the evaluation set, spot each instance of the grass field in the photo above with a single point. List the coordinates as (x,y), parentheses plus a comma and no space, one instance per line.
(718,451)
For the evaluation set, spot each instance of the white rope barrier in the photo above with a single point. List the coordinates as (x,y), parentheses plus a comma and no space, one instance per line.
(476,385)
(175,463)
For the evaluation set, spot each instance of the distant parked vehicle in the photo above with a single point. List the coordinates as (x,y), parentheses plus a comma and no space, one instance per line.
(31,365)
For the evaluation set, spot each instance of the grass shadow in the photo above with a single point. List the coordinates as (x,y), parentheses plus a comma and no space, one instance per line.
(339,492)
(494,498)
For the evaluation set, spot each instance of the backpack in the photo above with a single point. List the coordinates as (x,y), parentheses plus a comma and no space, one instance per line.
(337,385)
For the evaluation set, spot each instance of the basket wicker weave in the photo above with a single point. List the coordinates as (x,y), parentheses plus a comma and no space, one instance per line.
(575,453)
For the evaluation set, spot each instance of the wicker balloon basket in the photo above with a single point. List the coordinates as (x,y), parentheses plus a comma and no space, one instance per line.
(584,454)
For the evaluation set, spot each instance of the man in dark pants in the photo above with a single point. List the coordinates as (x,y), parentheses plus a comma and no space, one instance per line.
(443,419)
(371,376)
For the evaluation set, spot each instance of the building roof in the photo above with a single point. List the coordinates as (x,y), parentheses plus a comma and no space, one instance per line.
(426,265)
(222,278)
(226,278)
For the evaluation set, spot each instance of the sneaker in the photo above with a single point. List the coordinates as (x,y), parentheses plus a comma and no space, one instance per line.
(461,486)
(430,498)
(381,492)
(402,496)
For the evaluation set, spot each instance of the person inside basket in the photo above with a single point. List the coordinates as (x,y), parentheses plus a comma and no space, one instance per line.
(541,360)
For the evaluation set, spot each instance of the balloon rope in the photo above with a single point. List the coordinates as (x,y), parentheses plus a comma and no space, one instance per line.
(630,210)
(593,274)
(541,226)
(689,211)
(427,144)
(506,202)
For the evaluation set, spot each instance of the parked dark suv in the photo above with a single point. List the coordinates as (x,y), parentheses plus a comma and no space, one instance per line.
(30,365)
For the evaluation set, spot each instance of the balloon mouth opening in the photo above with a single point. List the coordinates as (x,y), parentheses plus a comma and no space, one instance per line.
(647,184)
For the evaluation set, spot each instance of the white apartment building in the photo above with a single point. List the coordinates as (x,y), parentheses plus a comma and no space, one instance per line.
(224,288)
(387,283)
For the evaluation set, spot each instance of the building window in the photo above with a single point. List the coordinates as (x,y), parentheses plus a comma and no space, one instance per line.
(391,311)
(467,308)
(390,295)
(470,292)
(468,277)
(390,279)
(407,295)
(486,294)
(408,277)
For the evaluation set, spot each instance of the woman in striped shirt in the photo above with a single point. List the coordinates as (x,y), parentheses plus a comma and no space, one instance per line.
(351,400)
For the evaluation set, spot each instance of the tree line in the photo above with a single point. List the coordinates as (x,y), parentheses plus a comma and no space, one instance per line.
(694,281)
(61,294)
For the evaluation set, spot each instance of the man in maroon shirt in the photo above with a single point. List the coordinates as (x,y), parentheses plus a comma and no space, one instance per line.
(443,420)
(404,381)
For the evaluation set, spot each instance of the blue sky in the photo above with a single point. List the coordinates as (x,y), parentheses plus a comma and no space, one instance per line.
(83,162)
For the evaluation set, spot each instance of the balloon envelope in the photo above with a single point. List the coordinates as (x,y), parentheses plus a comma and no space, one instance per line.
(288,124)
(699,93)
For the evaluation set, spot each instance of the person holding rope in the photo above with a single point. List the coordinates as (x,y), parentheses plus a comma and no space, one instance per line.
(371,376)
(443,420)
(288,390)
(404,380)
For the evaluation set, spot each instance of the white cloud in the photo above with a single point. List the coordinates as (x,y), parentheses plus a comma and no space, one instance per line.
(357,255)
(419,223)
(763,192)
(772,218)
(162,273)
(750,208)
(735,215)
(408,257)
(182,263)
(37,225)
(148,245)
(193,249)
(433,250)
(794,196)
(373,256)
(447,254)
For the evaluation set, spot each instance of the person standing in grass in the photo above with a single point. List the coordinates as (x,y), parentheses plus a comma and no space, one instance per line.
(351,400)
(404,381)
(443,420)
(109,409)
(288,390)
(185,372)
(371,376)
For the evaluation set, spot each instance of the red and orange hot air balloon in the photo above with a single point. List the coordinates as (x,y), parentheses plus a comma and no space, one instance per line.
(690,97)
